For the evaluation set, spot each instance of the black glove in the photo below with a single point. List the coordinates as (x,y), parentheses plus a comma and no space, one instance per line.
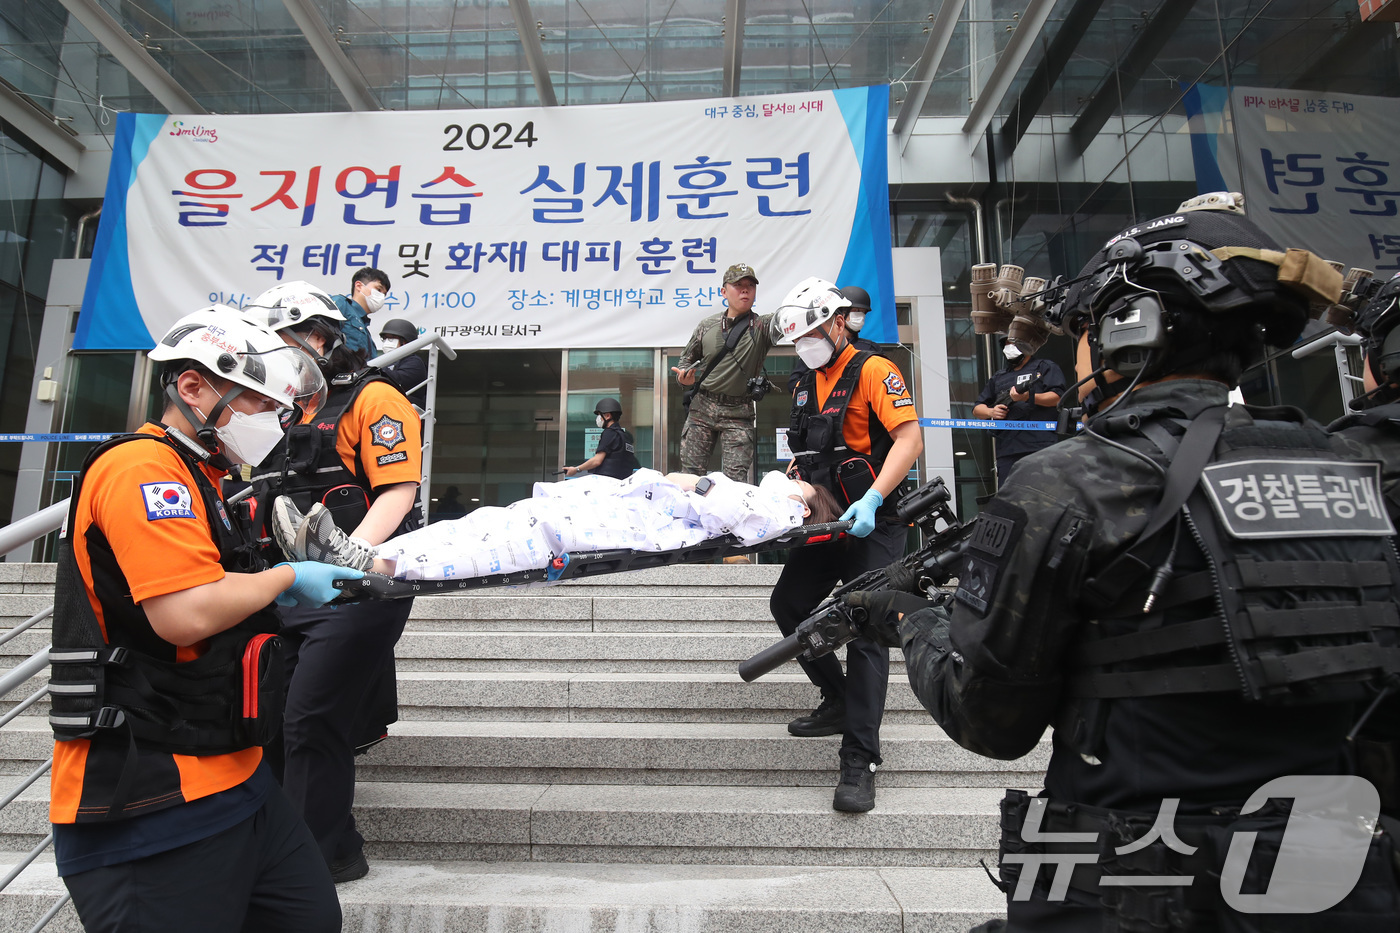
(883,609)
(900,577)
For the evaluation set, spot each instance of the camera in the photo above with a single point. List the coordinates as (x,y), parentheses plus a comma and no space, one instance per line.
(758,387)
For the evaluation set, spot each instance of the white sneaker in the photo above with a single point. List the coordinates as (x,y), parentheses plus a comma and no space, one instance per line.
(286,522)
(318,539)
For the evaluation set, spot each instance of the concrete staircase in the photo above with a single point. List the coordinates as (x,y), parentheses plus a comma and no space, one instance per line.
(584,757)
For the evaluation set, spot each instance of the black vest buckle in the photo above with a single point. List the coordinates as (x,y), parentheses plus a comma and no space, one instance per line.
(109,717)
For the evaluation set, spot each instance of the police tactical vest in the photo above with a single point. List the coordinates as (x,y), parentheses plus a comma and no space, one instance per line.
(619,464)
(228,699)
(1300,572)
(816,436)
(307,467)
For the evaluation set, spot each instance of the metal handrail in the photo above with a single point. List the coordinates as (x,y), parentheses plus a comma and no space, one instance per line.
(27,624)
(18,534)
(12,537)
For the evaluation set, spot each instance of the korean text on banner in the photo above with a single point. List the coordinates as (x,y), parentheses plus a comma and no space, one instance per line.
(1319,168)
(602,226)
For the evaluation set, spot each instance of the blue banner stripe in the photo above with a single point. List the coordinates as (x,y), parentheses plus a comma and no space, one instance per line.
(868,262)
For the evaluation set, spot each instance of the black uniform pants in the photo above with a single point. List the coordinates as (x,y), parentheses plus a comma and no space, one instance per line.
(265,875)
(808,577)
(336,658)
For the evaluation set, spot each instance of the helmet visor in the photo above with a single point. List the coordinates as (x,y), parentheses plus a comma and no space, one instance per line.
(288,376)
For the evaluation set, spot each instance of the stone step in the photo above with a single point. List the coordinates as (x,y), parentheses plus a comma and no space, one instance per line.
(674,754)
(530,897)
(915,755)
(943,827)
(570,696)
(597,652)
(697,696)
(530,613)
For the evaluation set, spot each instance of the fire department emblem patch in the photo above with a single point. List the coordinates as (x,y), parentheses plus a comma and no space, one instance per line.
(387,432)
(894,385)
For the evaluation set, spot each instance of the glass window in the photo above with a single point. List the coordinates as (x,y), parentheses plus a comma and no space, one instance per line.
(626,375)
(497,429)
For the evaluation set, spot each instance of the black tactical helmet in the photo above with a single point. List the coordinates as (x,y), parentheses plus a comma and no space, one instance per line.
(608,406)
(1206,256)
(398,327)
(857,296)
(1376,325)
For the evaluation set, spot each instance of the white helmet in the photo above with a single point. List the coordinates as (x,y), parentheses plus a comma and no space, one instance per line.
(227,343)
(293,303)
(810,304)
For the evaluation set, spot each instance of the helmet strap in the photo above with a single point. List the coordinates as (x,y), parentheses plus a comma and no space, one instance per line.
(835,347)
(205,428)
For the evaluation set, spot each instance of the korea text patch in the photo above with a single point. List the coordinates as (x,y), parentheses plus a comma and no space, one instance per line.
(166,500)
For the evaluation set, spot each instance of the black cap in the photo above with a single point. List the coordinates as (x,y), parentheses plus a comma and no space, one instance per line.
(608,406)
(398,327)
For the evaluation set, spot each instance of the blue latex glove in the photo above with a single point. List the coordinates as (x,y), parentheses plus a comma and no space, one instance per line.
(312,587)
(862,511)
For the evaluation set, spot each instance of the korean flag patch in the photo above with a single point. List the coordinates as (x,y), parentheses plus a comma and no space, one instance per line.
(387,433)
(166,500)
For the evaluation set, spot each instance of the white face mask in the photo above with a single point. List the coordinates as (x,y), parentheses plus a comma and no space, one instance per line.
(391,343)
(250,438)
(855,320)
(814,351)
(374,299)
(1011,352)
(599,420)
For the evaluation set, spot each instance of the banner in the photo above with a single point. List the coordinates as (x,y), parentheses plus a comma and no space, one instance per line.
(600,226)
(1317,169)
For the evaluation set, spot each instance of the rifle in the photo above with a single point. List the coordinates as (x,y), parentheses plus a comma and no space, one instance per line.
(1030,388)
(931,566)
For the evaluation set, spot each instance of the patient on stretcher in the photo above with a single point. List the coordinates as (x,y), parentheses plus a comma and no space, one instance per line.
(644,512)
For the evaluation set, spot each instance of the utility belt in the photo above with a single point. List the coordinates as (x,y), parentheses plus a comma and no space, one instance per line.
(731,400)
(1199,906)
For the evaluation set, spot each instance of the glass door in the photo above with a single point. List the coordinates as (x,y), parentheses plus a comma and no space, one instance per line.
(626,375)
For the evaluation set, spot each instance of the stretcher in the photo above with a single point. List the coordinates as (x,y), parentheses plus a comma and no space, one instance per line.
(592,564)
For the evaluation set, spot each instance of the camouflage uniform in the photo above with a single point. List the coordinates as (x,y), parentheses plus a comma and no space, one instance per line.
(995,672)
(727,416)
(720,406)
(1377,432)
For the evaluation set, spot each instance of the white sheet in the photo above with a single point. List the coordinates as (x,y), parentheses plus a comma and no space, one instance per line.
(593,513)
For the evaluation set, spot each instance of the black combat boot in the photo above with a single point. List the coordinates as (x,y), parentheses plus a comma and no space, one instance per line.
(827,719)
(856,792)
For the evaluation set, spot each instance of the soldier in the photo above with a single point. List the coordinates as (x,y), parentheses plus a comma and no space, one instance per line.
(1171,594)
(1375,426)
(728,349)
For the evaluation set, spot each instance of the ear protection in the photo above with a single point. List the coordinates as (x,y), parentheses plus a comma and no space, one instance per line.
(1132,328)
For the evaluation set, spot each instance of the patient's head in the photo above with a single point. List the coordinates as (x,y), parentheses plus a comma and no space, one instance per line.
(822,506)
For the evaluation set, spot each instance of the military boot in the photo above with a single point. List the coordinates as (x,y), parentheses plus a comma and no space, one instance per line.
(827,719)
(856,792)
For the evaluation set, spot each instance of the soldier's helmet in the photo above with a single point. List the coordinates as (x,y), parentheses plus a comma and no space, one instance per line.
(1381,339)
(1207,261)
